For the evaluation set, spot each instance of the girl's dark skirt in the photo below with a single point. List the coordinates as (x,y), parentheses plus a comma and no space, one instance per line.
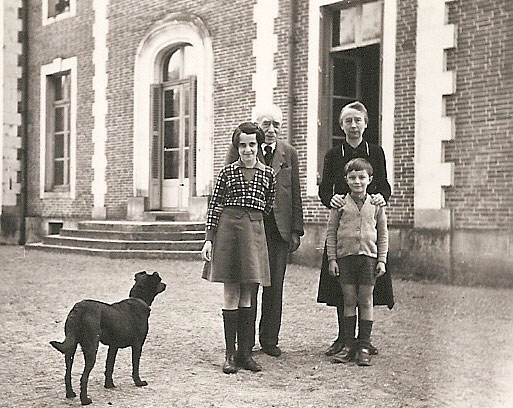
(239,251)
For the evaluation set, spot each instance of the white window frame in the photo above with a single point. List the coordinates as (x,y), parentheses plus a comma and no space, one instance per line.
(57,66)
(49,20)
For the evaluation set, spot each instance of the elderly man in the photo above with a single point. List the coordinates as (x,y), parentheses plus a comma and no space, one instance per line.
(283,226)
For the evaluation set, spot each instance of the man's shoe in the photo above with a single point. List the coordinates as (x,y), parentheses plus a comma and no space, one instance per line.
(363,357)
(272,350)
(246,362)
(345,356)
(230,364)
(335,348)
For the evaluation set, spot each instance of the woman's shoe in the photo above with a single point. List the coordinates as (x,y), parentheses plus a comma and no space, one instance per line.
(345,356)
(335,348)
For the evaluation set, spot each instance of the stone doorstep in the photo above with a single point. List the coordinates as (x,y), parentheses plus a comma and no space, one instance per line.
(116,244)
(140,254)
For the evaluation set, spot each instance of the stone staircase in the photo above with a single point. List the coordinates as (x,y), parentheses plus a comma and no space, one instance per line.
(129,239)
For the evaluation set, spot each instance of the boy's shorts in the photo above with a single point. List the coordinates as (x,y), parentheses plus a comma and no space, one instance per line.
(357,270)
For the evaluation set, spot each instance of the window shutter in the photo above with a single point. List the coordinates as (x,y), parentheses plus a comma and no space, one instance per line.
(192,135)
(155,147)
(50,112)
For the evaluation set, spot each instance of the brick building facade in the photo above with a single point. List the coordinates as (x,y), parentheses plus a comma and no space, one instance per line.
(109,106)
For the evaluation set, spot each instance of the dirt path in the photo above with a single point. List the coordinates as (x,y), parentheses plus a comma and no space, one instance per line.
(441,346)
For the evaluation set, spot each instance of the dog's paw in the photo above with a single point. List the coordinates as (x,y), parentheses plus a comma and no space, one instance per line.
(70,394)
(86,401)
(140,383)
(109,384)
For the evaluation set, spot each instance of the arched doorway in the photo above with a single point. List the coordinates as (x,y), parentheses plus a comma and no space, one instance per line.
(173,114)
(172,159)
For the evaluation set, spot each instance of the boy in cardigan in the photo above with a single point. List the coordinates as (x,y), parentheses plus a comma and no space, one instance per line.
(357,244)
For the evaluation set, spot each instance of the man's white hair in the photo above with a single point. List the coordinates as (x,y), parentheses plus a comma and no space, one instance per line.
(272,111)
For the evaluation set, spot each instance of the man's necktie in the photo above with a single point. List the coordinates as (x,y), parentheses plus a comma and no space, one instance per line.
(268,156)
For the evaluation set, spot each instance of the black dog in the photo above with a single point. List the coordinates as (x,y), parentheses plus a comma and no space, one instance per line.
(118,325)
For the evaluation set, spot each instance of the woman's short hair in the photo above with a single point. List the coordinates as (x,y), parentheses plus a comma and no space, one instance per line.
(358,164)
(357,105)
(249,128)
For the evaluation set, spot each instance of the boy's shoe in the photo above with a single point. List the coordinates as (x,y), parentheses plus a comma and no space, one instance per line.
(345,356)
(372,350)
(363,357)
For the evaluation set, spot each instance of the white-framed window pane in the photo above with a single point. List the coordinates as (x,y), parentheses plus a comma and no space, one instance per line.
(56,7)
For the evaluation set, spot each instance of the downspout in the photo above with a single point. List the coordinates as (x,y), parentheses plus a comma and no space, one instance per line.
(24,121)
(290,66)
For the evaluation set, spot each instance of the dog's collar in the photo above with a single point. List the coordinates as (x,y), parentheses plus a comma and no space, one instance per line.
(142,302)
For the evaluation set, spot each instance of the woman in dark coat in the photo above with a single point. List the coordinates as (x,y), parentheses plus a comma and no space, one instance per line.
(332,190)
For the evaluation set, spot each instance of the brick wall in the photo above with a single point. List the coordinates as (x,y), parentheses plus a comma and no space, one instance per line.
(481,195)
(231,27)
(482,107)
(62,39)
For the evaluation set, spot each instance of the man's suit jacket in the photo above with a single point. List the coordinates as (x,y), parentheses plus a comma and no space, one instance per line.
(287,207)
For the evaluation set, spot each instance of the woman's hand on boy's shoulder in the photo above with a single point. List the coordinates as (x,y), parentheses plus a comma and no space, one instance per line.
(338,201)
(378,200)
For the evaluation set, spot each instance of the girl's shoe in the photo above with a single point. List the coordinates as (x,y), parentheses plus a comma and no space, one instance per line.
(230,364)
(345,356)
(363,357)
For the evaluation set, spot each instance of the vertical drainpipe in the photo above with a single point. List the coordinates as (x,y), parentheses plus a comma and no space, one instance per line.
(290,65)
(24,120)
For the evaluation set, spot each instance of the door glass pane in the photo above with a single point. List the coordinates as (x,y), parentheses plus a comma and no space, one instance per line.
(186,98)
(347,20)
(58,173)
(344,77)
(171,162)
(58,148)
(187,130)
(171,103)
(171,134)
(186,163)
(59,119)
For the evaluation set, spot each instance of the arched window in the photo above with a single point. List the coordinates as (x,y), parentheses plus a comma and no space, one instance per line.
(179,64)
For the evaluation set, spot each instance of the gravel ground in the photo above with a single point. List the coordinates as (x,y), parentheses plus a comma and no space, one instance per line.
(441,346)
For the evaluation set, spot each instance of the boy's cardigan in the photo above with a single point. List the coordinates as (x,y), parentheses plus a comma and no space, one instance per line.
(357,232)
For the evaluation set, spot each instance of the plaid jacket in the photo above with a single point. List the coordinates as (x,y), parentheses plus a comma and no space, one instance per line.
(232,190)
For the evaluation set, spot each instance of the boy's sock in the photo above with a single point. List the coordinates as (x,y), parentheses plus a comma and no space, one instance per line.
(349,331)
(364,333)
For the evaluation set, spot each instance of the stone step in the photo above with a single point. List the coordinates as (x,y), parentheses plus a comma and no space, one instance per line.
(140,254)
(126,245)
(142,226)
(166,215)
(134,236)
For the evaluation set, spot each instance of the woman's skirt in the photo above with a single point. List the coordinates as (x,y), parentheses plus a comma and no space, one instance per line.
(239,251)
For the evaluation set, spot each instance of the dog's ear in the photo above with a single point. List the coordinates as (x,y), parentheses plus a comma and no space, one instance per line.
(155,273)
(139,275)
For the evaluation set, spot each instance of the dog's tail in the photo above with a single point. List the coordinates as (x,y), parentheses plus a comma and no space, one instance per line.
(61,346)
(71,329)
